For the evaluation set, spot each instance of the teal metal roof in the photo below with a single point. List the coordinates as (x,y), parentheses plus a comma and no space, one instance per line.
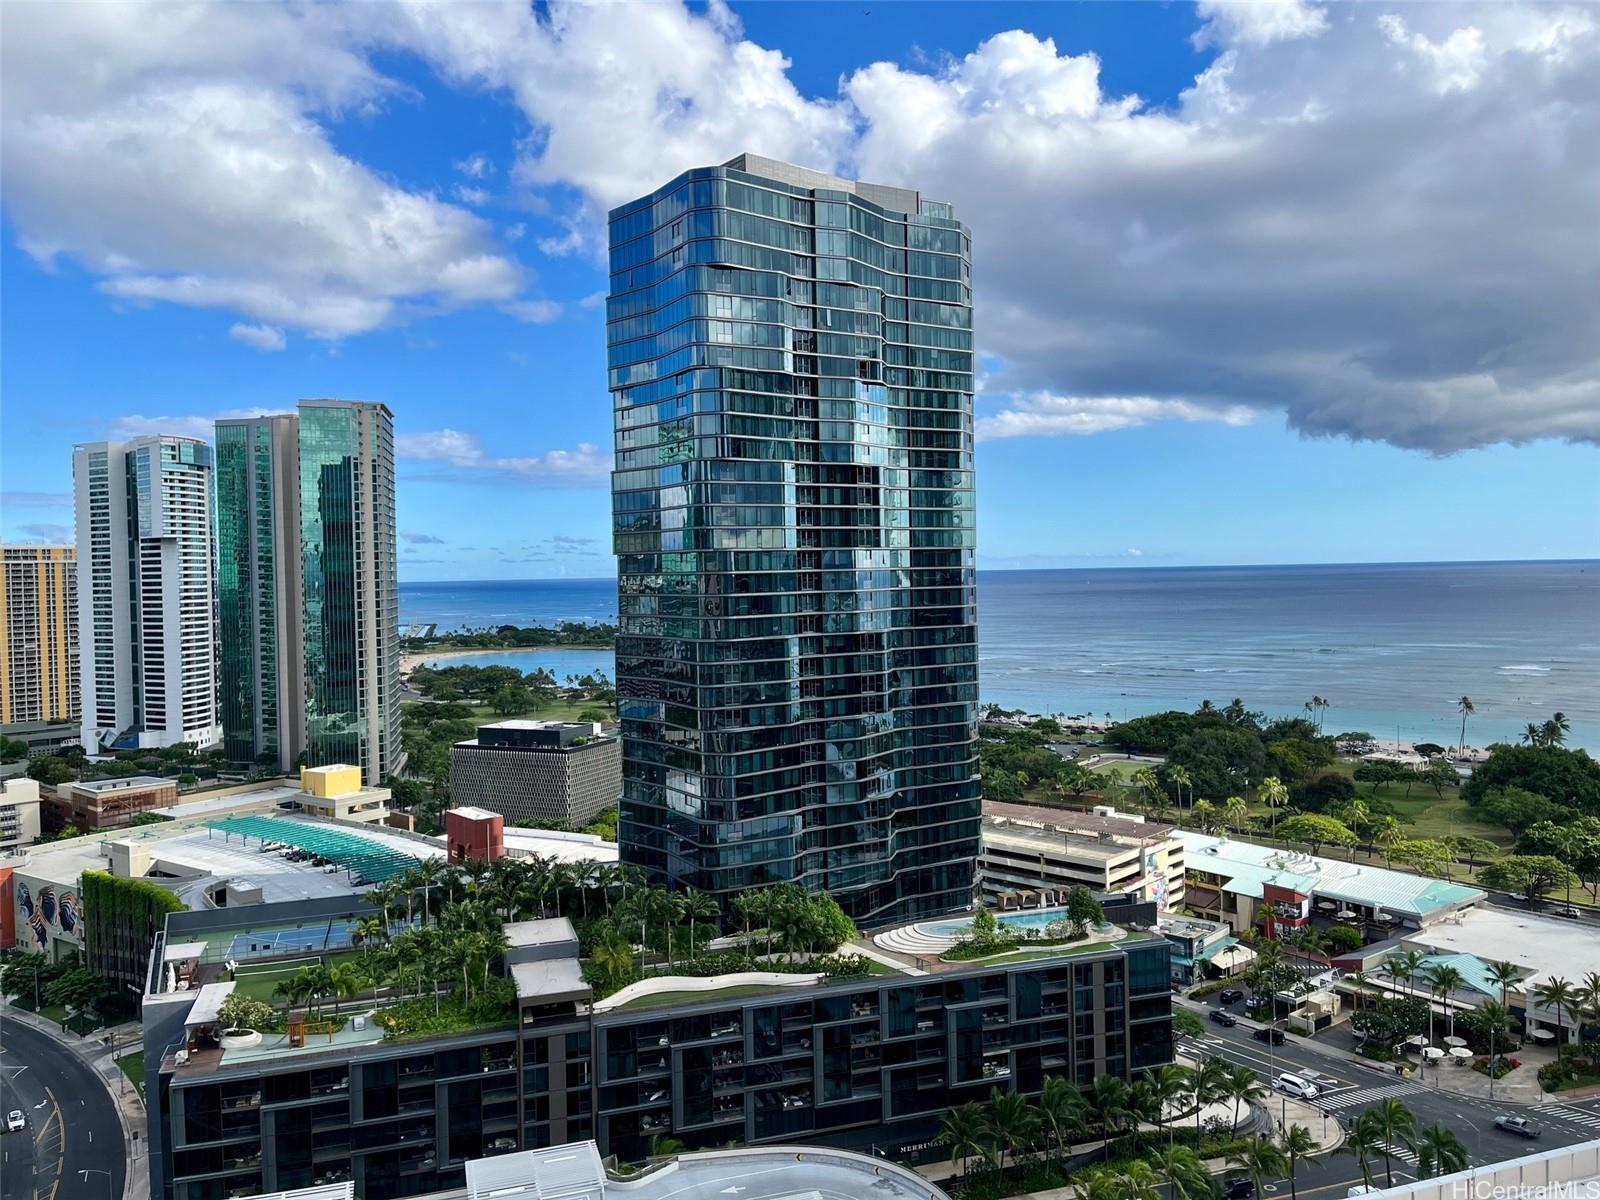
(373,861)
(1245,867)
(1474,971)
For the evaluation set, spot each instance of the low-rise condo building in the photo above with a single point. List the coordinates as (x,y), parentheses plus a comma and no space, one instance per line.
(1030,850)
(19,814)
(765,1059)
(96,805)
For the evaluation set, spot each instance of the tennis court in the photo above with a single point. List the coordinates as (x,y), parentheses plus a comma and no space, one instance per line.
(313,937)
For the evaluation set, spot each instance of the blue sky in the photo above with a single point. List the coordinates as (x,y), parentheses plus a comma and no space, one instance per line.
(1238,303)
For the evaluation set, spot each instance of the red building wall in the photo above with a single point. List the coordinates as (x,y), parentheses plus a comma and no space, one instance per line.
(474,838)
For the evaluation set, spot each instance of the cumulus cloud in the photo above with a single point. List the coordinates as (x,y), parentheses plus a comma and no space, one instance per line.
(1378,225)
(417,538)
(1044,415)
(262,337)
(1258,22)
(180,153)
(582,466)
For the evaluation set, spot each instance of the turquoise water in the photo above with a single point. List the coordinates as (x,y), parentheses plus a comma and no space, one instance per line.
(1036,919)
(1391,645)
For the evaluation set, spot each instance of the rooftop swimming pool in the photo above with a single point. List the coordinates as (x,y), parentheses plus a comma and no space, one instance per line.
(1037,918)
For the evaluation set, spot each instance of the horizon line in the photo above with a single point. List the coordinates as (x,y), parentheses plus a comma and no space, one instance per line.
(1123,566)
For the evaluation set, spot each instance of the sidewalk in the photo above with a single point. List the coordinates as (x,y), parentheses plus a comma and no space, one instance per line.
(102,1059)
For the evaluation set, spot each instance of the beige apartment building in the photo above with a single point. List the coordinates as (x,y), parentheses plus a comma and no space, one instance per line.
(38,634)
(1030,848)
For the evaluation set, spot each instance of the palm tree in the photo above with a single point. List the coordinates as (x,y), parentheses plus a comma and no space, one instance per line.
(1395,1124)
(963,1129)
(1242,1087)
(1149,784)
(1062,1110)
(1168,1087)
(1439,1152)
(1211,1082)
(612,957)
(1274,795)
(295,990)
(1365,1141)
(1442,980)
(1464,705)
(1532,735)
(1110,1101)
(1298,1145)
(698,906)
(1179,778)
(343,982)
(1205,815)
(1559,995)
(1010,1121)
(1235,812)
(1260,1159)
(665,1146)
(1387,833)
(1554,731)
(1186,1176)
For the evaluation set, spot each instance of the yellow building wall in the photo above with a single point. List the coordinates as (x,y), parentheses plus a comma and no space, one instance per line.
(326,782)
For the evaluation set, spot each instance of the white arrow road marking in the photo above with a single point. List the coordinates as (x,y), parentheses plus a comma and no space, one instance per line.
(732,1191)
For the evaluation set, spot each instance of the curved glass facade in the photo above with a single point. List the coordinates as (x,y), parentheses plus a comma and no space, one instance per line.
(791,365)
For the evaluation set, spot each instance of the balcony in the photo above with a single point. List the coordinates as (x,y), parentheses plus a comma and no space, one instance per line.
(242,1103)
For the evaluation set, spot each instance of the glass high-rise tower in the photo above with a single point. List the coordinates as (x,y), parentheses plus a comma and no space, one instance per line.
(261,663)
(351,593)
(791,366)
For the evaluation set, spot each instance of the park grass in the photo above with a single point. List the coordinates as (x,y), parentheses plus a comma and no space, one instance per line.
(132,1066)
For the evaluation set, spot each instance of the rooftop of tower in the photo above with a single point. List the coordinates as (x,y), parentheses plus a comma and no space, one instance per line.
(882,194)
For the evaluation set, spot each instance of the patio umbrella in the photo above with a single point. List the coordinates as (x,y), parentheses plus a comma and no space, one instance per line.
(1460,1052)
(1455,1041)
(1543,1035)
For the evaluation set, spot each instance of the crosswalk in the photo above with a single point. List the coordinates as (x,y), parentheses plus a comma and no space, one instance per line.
(1361,1097)
(1578,1116)
(1399,1153)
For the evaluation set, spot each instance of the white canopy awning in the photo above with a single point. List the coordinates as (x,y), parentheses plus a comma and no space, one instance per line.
(1233,958)
(207,1004)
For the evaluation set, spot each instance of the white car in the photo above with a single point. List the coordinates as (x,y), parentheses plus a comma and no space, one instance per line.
(15,1120)
(1293,1085)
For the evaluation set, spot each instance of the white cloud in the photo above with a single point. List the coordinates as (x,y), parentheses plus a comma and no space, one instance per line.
(476,166)
(532,312)
(1452,65)
(136,425)
(585,464)
(180,153)
(1044,415)
(1258,22)
(262,337)
(417,538)
(475,196)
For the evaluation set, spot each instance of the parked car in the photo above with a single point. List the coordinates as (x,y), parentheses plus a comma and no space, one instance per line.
(1223,1017)
(1242,1188)
(1520,1126)
(15,1120)
(1270,1034)
(1569,910)
(1293,1085)
(1230,995)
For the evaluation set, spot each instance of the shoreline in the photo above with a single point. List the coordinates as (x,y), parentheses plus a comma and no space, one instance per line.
(412,659)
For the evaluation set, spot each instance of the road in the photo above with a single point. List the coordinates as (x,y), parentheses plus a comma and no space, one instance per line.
(1348,1088)
(72,1123)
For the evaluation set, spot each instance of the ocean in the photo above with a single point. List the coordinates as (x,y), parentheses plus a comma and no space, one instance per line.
(1390,646)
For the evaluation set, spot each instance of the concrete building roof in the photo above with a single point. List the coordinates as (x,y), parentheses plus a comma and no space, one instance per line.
(1054,841)
(1246,867)
(575,1172)
(1541,946)
(1088,824)
(551,980)
(120,783)
(559,845)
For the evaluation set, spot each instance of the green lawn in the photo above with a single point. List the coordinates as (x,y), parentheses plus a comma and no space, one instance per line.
(54,1012)
(659,999)
(259,984)
(133,1067)
(1069,948)
(556,710)
(1431,815)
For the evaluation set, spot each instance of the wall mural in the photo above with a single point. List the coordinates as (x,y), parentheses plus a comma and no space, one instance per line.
(53,911)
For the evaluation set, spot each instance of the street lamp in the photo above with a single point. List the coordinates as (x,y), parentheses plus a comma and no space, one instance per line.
(88,1171)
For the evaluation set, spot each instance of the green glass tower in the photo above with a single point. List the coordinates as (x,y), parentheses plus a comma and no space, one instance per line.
(351,614)
(791,365)
(262,658)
